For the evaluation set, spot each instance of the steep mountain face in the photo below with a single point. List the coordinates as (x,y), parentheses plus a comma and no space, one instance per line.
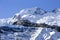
(31,24)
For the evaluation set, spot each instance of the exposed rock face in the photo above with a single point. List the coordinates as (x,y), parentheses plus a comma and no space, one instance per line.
(31,24)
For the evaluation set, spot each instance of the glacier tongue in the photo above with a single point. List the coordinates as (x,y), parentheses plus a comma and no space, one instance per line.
(8,31)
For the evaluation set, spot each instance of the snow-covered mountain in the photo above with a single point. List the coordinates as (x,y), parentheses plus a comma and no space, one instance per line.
(31,24)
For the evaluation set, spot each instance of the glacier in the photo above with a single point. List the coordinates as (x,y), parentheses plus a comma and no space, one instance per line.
(23,25)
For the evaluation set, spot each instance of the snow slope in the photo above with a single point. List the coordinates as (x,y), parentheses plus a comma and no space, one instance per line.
(34,15)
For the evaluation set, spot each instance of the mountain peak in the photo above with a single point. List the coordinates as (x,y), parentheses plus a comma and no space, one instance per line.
(35,10)
(56,10)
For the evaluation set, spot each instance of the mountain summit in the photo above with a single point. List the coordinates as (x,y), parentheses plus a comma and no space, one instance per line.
(31,24)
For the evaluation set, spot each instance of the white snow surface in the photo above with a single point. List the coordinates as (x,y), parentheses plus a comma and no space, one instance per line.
(35,15)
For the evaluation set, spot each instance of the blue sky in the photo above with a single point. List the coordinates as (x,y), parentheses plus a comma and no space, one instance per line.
(9,7)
